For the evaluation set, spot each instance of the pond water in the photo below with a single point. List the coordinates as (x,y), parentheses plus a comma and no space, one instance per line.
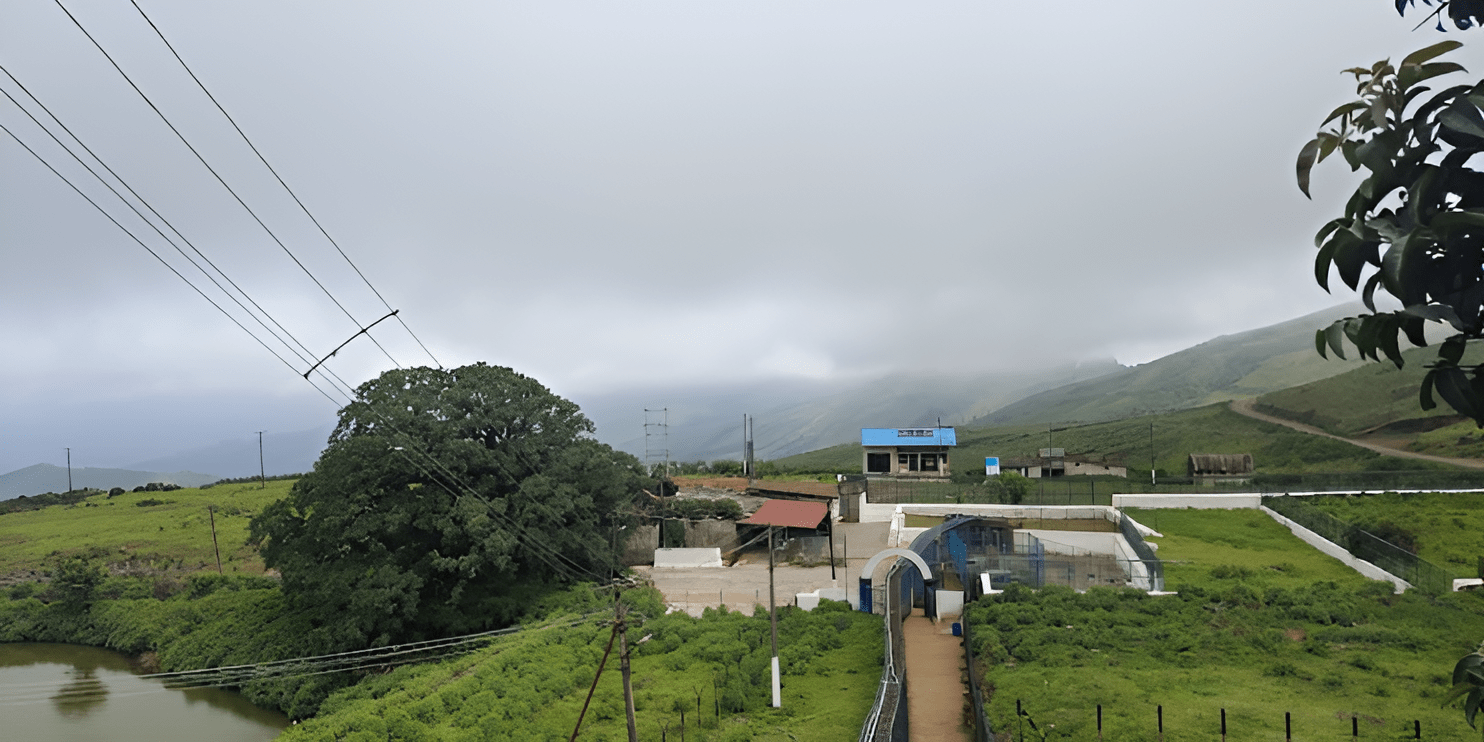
(66,693)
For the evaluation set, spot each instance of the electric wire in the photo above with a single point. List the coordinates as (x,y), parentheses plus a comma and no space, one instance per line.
(17,694)
(277,177)
(154,254)
(220,179)
(153,211)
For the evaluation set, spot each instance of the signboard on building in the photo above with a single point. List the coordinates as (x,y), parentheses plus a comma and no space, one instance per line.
(1053,453)
(991,466)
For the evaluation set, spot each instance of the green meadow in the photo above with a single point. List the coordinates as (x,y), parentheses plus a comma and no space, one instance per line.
(165,531)
(1262,626)
(1446,527)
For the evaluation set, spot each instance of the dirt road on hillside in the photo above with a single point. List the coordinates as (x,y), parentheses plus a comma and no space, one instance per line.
(1244,407)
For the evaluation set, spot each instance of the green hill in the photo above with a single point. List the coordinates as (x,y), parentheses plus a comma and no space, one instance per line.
(1374,399)
(1237,366)
(1209,429)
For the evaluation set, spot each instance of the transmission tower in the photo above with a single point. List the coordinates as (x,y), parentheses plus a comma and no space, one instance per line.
(657,439)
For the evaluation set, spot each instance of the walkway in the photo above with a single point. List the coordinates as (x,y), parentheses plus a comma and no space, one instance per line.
(935,685)
(1244,407)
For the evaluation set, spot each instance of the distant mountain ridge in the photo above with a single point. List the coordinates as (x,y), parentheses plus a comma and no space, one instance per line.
(39,478)
(1237,366)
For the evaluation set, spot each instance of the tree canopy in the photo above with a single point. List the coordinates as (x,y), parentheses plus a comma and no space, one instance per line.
(444,501)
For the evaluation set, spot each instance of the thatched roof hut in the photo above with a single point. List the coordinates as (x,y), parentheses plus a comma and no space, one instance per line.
(1219,465)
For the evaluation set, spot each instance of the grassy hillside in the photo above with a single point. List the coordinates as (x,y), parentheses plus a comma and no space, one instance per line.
(1364,399)
(1443,526)
(1263,625)
(1209,429)
(151,530)
(1230,367)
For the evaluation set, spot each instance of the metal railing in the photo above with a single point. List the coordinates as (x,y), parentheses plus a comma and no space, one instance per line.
(1422,574)
(887,720)
(983,729)
(1151,563)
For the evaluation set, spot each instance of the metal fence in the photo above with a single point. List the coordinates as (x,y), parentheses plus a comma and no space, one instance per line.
(887,720)
(1148,561)
(983,730)
(1422,574)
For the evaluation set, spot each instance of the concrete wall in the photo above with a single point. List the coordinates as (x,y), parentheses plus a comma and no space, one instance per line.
(1333,549)
(687,558)
(640,546)
(807,549)
(721,534)
(1222,502)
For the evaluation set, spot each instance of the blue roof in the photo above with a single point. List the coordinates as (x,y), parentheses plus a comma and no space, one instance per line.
(908,437)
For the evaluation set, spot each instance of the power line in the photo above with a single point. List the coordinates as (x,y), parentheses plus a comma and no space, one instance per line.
(152,210)
(219,178)
(279,178)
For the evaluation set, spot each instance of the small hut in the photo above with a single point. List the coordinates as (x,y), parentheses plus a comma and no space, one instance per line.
(1219,465)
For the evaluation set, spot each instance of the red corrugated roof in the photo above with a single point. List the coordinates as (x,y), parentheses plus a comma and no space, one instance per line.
(791,513)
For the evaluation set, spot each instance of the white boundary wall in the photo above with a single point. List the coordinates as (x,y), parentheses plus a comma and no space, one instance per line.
(687,558)
(1222,502)
(1333,549)
(1248,501)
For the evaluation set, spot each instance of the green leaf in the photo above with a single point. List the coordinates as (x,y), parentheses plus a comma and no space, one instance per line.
(1424,397)
(1457,120)
(1322,261)
(1328,229)
(1348,108)
(1410,76)
(1430,52)
(1389,342)
(1451,351)
(1335,336)
(1306,159)
(1319,344)
(1368,296)
(1453,386)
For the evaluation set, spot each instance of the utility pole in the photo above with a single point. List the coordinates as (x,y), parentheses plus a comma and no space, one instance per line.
(623,666)
(69,470)
(1152,483)
(262,472)
(773,618)
(211,509)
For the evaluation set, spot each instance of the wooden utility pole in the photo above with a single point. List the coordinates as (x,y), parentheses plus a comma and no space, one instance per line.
(262,472)
(69,470)
(623,666)
(211,510)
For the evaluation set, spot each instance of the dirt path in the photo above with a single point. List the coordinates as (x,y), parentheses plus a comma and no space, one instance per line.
(935,685)
(1244,407)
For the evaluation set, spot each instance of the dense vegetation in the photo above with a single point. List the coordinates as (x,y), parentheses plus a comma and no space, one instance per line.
(712,669)
(1261,626)
(1442,528)
(445,499)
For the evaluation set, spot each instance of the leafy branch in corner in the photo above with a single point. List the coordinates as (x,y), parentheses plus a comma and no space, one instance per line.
(1414,228)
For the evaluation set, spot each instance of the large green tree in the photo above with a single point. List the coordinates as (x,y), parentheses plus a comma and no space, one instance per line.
(445,501)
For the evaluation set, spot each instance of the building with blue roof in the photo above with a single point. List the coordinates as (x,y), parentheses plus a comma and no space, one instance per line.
(919,453)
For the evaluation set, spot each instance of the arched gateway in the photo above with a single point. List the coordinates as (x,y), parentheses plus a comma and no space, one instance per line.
(873,562)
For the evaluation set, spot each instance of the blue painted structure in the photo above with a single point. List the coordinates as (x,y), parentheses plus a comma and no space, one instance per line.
(908,437)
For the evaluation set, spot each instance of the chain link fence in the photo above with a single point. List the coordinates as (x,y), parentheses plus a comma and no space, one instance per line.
(1422,574)
(887,720)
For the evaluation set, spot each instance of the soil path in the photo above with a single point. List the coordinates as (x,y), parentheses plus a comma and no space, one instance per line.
(1244,407)
(935,685)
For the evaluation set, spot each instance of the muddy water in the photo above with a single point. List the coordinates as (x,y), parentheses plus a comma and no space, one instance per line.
(65,693)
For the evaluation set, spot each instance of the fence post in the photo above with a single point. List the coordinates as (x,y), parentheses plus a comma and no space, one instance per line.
(1287,726)
(1100,721)
(1160,712)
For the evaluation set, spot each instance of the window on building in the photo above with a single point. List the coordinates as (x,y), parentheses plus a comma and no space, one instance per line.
(878,463)
(929,462)
(907,462)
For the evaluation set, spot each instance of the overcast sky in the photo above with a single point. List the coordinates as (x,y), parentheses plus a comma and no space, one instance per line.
(643,194)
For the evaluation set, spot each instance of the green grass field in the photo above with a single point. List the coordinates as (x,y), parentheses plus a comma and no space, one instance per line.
(173,535)
(1446,525)
(531,686)
(1263,625)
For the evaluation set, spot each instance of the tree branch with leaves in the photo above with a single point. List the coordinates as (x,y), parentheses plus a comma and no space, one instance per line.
(1414,228)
